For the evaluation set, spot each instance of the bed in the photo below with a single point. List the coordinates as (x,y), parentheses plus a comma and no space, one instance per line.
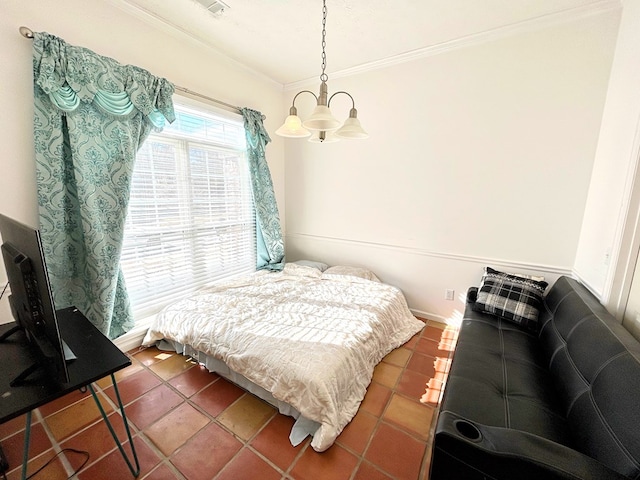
(303,339)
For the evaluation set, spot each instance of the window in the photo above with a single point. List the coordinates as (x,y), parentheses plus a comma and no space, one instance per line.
(191,217)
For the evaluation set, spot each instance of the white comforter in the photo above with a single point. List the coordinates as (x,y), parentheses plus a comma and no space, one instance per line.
(310,339)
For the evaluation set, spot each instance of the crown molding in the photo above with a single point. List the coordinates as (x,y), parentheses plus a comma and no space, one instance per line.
(174,30)
(538,23)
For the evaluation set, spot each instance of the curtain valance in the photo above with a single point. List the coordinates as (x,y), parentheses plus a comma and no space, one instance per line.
(70,75)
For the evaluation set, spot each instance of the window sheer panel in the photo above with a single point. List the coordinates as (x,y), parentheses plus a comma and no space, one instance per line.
(191,217)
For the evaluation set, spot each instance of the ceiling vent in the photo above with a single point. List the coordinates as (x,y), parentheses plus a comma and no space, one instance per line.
(214,6)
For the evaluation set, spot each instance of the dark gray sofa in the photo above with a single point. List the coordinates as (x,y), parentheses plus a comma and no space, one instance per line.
(562,402)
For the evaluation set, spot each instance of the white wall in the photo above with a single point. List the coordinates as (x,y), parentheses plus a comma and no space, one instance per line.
(106,29)
(605,258)
(479,155)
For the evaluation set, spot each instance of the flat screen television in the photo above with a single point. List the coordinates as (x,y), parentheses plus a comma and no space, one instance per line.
(31,300)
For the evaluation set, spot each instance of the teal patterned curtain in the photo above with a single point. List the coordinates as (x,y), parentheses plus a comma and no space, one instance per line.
(91,115)
(270,246)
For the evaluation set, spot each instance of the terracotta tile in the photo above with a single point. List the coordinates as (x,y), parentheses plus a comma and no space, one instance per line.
(151,355)
(367,471)
(248,465)
(175,428)
(376,398)
(13,446)
(246,416)
(333,464)
(172,366)
(217,396)
(14,425)
(446,347)
(96,440)
(163,472)
(357,433)
(426,462)
(399,357)
(412,384)
(273,441)
(450,332)
(63,402)
(433,332)
(396,453)
(442,364)
(434,390)
(53,470)
(429,347)
(120,375)
(133,387)
(195,465)
(421,363)
(386,374)
(75,417)
(448,340)
(437,324)
(152,405)
(412,416)
(193,380)
(413,341)
(114,466)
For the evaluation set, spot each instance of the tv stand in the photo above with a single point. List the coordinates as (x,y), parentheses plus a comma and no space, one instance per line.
(45,358)
(10,332)
(20,379)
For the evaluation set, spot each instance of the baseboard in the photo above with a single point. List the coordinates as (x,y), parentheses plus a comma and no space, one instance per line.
(132,339)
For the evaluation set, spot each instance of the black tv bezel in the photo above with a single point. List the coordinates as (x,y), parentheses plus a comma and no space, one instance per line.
(44,334)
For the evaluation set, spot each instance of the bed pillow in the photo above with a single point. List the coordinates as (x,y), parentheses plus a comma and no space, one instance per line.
(511,297)
(537,278)
(301,270)
(352,272)
(310,263)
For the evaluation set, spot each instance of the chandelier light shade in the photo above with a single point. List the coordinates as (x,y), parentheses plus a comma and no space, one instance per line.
(324,126)
(321,119)
(292,126)
(351,127)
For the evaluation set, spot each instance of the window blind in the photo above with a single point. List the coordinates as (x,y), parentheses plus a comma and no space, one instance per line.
(191,217)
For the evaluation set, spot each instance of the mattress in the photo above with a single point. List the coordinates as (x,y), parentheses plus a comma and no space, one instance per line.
(310,339)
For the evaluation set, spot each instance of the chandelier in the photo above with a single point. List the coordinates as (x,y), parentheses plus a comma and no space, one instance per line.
(322,125)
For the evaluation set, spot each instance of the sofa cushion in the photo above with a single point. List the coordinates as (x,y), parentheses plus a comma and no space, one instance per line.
(499,378)
(512,297)
(595,365)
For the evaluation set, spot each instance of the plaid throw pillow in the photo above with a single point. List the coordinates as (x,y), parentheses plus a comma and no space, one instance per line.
(512,297)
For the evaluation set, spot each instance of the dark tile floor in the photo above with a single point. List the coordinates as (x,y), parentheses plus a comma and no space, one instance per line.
(188,423)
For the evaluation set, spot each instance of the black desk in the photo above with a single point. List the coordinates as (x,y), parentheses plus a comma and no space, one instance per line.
(97,358)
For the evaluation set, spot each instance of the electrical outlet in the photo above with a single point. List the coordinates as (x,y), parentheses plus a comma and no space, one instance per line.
(449,294)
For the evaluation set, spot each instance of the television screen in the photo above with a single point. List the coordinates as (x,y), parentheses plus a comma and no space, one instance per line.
(31,300)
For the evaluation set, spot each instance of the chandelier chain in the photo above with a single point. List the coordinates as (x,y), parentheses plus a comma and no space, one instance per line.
(324,77)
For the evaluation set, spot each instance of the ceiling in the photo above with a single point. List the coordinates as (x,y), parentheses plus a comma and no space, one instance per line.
(281,39)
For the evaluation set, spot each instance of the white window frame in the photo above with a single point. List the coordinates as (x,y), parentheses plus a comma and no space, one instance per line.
(145,310)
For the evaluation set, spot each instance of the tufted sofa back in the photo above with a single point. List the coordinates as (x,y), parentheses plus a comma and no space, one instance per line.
(595,365)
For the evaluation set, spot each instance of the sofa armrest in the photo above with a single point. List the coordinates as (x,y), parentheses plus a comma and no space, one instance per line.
(472,294)
(463,449)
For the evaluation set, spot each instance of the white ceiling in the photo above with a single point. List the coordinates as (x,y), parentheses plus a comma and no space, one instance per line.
(281,39)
